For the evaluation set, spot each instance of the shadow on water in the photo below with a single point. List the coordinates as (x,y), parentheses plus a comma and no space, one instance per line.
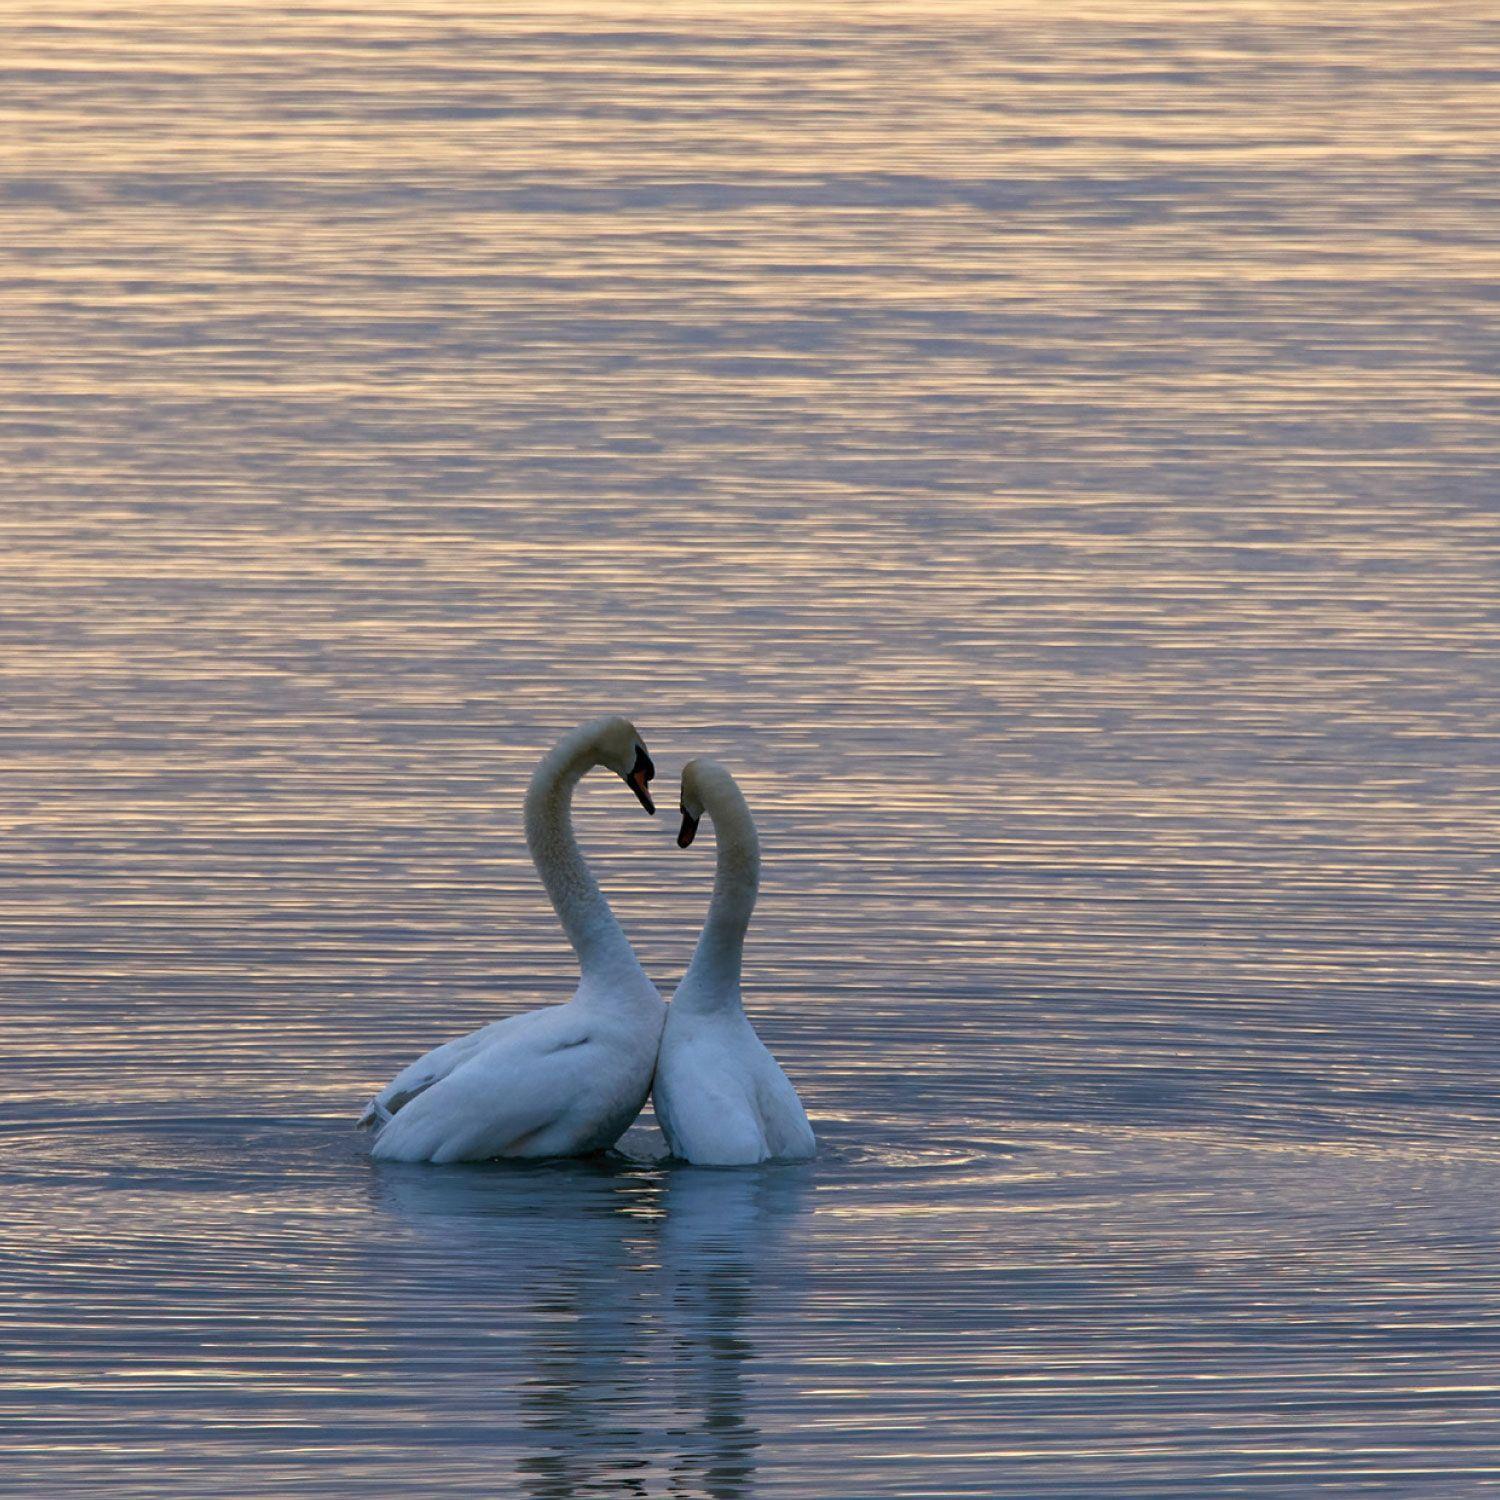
(585,1282)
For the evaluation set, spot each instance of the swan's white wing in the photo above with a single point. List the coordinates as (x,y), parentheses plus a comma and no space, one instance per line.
(713,1128)
(439,1063)
(704,1096)
(788,1134)
(516,1097)
(722,1099)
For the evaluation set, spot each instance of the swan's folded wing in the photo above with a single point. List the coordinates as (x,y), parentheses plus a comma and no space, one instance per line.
(438,1064)
(495,1104)
(706,1113)
(722,1100)
(788,1134)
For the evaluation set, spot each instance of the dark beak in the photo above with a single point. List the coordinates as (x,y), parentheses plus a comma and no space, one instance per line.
(640,775)
(689,828)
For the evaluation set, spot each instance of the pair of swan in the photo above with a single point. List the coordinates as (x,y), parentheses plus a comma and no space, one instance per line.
(569,1079)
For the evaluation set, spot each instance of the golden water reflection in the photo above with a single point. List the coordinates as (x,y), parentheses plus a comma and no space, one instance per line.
(1048,451)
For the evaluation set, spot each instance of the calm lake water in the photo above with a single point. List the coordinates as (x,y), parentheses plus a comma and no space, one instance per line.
(1049,451)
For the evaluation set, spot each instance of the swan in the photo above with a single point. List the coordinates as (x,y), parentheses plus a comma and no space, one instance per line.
(720,1097)
(567,1079)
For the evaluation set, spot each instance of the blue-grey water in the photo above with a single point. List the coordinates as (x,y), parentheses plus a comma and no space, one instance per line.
(1049,451)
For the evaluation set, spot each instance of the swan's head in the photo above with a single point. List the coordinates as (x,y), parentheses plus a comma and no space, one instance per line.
(621,750)
(699,780)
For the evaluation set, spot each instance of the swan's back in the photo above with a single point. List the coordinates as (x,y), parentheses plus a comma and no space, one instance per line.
(567,1083)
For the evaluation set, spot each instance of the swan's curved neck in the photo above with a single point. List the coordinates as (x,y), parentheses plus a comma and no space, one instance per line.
(585,915)
(715,969)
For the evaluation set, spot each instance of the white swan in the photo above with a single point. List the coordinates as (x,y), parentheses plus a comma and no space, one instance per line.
(720,1097)
(568,1079)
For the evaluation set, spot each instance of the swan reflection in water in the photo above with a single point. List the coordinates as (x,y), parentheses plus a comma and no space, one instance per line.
(720,1248)
(591,1321)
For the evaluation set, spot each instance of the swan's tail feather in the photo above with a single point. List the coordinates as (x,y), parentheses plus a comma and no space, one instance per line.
(381,1110)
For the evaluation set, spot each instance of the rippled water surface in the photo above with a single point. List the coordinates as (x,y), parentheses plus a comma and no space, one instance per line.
(1048,450)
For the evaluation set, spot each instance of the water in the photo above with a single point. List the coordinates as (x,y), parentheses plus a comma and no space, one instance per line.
(1048,451)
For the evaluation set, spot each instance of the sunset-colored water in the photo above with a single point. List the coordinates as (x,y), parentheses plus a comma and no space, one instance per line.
(1048,451)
